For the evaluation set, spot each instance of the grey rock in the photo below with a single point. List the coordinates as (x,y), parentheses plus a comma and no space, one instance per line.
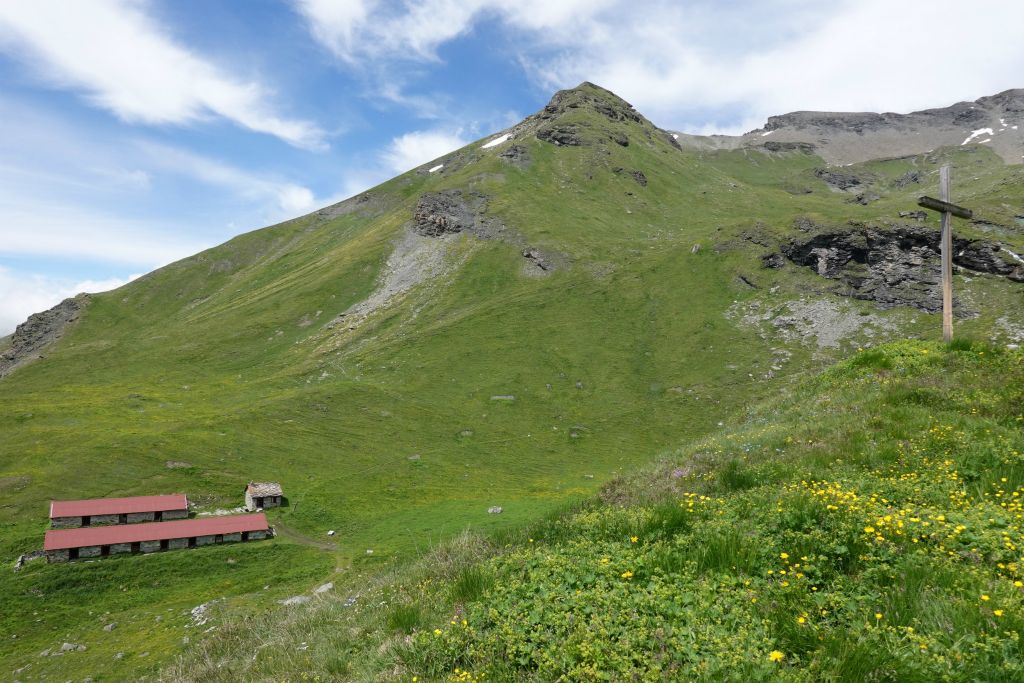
(838,180)
(908,178)
(620,139)
(320,590)
(537,258)
(916,215)
(896,267)
(802,147)
(32,337)
(560,134)
(439,213)
(517,155)
(773,260)
(495,510)
(864,198)
(295,600)
(109,627)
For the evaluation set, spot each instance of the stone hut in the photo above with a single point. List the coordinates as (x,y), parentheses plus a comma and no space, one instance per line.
(62,545)
(66,514)
(260,495)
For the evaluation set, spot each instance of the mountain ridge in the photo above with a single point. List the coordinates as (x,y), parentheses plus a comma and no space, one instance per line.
(853,137)
(548,307)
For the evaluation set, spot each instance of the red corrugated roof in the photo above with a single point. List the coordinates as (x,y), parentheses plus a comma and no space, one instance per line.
(117,506)
(59,539)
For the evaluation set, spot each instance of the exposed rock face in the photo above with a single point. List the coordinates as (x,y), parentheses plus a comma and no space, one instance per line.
(537,258)
(447,212)
(898,267)
(908,178)
(802,147)
(39,331)
(638,176)
(837,180)
(560,134)
(517,155)
(595,97)
(995,122)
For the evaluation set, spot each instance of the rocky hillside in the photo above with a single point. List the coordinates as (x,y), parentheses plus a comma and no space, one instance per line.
(505,328)
(842,138)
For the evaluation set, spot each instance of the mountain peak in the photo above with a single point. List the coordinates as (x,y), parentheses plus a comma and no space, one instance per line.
(589,95)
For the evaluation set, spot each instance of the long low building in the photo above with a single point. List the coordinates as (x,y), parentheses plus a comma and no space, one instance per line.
(62,545)
(66,514)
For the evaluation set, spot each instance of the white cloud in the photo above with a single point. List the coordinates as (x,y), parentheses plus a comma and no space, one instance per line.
(290,199)
(126,63)
(21,295)
(721,67)
(418,147)
(33,228)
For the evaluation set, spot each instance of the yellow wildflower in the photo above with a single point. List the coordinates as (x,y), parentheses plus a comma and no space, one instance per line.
(775,656)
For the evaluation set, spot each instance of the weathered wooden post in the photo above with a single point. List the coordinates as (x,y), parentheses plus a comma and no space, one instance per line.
(946,245)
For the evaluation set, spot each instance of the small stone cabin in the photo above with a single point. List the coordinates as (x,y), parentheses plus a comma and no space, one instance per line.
(67,514)
(62,545)
(260,495)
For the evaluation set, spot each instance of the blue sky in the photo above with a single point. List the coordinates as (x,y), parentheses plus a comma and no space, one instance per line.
(136,132)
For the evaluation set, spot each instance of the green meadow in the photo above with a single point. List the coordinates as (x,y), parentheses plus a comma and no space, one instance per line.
(221,369)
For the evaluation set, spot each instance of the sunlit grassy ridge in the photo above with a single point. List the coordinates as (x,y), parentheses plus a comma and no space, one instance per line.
(868,526)
(222,361)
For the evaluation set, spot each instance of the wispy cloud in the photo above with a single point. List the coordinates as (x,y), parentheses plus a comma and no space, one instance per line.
(124,62)
(290,199)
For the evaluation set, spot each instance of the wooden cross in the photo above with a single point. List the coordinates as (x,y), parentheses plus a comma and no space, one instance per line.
(948,211)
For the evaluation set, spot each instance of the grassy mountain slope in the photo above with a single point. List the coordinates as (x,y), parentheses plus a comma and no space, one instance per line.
(223,367)
(865,525)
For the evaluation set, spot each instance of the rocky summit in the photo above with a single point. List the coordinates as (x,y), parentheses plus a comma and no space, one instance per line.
(853,137)
(514,326)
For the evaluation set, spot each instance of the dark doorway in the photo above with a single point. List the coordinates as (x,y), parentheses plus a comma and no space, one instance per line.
(104,551)
(122,519)
(73,554)
(86,521)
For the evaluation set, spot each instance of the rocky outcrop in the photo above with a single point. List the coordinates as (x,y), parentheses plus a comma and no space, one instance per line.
(908,178)
(517,155)
(560,134)
(452,211)
(586,94)
(838,180)
(638,176)
(896,267)
(32,337)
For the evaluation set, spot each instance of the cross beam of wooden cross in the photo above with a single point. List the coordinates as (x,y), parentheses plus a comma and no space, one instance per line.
(948,211)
